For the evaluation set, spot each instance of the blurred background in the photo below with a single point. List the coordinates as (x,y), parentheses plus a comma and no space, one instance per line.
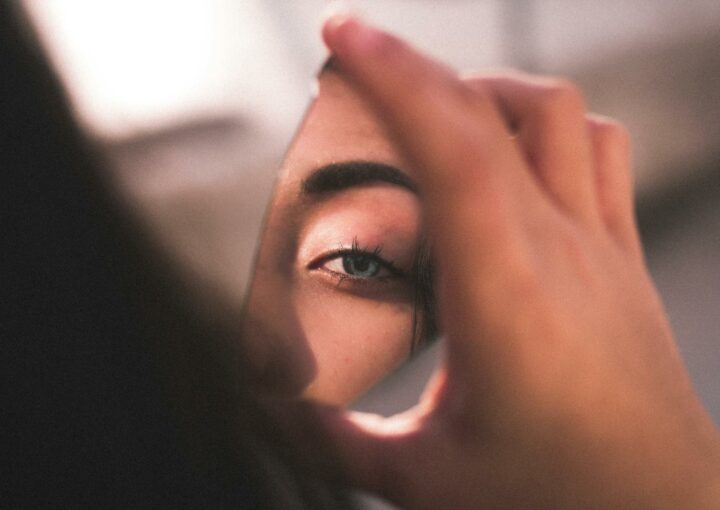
(195,101)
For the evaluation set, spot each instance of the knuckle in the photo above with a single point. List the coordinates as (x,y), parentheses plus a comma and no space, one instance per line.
(485,86)
(481,79)
(475,86)
(609,134)
(474,81)
(560,98)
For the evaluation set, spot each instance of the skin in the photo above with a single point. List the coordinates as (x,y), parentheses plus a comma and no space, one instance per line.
(562,386)
(313,332)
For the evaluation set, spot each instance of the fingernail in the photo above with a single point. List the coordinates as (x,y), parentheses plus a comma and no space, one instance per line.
(346,34)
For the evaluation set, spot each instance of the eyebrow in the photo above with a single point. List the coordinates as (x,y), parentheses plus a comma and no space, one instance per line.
(349,174)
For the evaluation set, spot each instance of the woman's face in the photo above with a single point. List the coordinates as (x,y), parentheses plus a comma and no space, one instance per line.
(331,308)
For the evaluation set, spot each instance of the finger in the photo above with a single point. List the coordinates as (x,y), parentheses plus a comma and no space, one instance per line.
(548,116)
(478,195)
(456,140)
(614,182)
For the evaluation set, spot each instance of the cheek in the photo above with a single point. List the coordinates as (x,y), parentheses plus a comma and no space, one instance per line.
(277,354)
(355,343)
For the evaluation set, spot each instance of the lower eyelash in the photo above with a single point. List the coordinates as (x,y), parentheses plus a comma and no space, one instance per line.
(357,280)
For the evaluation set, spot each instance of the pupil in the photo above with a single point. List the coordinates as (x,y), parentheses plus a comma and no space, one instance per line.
(361,264)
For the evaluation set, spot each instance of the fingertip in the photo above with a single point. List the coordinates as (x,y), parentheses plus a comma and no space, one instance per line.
(348,37)
(332,28)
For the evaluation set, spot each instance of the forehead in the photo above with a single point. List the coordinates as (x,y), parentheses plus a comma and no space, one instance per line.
(341,126)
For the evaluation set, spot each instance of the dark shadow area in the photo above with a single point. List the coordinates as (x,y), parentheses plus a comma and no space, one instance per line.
(679,204)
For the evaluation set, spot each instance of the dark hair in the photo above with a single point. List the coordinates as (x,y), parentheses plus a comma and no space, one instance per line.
(425,327)
(116,391)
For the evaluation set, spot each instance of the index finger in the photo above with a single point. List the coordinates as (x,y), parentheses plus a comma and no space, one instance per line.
(423,103)
(478,194)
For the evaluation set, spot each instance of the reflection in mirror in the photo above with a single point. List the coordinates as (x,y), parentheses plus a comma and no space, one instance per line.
(341,293)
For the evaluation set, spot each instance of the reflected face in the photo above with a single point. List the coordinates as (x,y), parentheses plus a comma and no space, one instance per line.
(333,306)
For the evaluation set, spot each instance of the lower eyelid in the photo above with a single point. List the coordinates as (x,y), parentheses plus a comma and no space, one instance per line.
(352,284)
(377,289)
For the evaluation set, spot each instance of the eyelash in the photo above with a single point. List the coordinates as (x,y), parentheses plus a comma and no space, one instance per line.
(358,251)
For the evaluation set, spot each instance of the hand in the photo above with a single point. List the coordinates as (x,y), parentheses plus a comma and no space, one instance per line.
(562,386)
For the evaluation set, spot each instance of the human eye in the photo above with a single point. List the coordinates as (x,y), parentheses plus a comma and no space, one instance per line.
(356,263)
